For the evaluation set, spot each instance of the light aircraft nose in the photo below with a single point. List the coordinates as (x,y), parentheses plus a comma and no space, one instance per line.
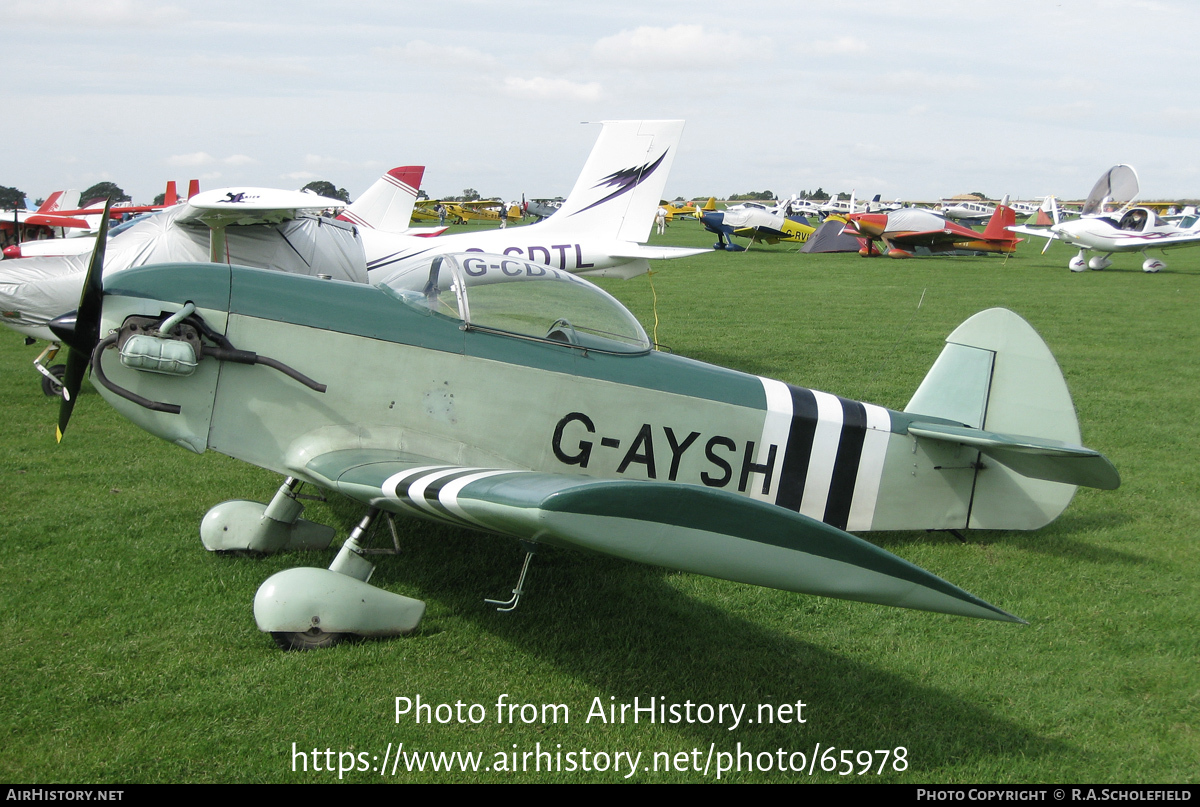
(13,251)
(870,225)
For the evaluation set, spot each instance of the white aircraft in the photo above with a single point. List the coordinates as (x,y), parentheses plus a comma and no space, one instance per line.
(960,210)
(847,207)
(599,230)
(1129,229)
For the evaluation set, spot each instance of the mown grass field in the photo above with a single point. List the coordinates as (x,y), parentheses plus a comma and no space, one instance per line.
(132,654)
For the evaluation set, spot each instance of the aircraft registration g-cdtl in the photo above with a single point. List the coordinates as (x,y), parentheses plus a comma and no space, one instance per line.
(599,230)
(619,449)
(1136,229)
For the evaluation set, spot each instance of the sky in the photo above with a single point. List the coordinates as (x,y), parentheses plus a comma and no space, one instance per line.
(910,100)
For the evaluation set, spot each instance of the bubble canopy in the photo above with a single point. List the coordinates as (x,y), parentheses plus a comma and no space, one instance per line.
(516,297)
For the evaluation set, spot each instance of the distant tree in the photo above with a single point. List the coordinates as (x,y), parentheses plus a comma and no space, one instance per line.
(11,198)
(819,195)
(752,196)
(469,195)
(981,196)
(422,195)
(160,199)
(323,188)
(843,195)
(679,199)
(101,191)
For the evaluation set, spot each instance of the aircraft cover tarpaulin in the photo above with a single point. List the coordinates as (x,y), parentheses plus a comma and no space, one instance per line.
(34,291)
(830,238)
(306,245)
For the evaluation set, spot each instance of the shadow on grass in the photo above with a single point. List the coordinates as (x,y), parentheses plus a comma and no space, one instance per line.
(627,631)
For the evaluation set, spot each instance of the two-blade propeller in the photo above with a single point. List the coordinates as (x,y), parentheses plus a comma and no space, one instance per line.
(80,330)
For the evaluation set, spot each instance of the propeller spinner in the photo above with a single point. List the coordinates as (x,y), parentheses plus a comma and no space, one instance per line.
(80,330)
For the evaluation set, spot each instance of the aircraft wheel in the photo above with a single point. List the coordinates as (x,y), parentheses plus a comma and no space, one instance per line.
(53,388)
(311,639)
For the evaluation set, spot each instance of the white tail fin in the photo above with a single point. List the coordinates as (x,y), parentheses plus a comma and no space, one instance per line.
(623,180)
(388,204)
(60,200)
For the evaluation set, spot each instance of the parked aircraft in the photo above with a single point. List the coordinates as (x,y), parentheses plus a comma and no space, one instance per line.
(86,222)
(16,223)
(962,210)
(600,229)
(754,221)
(618,449)
(1136,229)
(543,208)
(905,231)
(681,210)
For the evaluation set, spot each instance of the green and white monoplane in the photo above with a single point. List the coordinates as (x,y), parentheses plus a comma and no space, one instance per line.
(504,395)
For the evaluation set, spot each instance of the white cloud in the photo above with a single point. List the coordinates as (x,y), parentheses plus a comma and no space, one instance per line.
(552,89)
(91,13)
(189,160)
(198,158)
(437,57)
(684,47)
(841,45)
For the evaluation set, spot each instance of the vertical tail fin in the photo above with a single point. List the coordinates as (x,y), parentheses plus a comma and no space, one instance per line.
(623,180)
(60,200)
(388,204)
(1003,218)
(171,197)
(1047,214)
(997,374)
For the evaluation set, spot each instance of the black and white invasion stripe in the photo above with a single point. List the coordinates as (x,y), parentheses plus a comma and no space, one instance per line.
(831,457)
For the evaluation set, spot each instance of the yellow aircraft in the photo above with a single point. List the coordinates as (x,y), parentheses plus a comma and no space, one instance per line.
(486,210)
(678,209)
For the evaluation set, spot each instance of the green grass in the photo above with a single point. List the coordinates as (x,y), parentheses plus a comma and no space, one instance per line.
(133,655)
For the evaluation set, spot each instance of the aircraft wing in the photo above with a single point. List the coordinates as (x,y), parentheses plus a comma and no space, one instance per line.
(690,528)
(48,220)
(252,206)
(1040,232)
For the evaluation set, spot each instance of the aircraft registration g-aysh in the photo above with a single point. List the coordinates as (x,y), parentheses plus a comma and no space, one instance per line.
(619,449)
